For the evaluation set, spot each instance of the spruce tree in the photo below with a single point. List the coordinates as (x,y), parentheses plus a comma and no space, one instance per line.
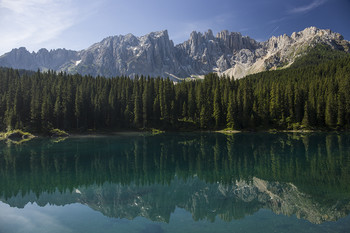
(230,113)
(217,108)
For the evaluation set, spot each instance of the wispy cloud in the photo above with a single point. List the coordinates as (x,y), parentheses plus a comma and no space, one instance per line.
(278,20)
(307,8)
(275,29)
(32,22)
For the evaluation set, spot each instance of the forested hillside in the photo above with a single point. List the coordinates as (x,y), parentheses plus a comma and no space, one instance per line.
(304,96)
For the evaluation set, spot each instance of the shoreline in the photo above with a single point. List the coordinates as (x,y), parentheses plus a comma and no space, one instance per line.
(139,132)
(135,132)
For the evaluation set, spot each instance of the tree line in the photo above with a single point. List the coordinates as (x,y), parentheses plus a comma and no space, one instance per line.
(314,96)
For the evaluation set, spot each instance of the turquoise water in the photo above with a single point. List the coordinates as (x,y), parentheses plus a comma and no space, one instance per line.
(177,182)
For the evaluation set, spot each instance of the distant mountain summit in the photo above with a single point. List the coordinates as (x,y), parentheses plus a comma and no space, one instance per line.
(156,55)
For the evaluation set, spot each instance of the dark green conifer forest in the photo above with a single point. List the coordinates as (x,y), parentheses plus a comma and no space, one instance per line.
(313,93)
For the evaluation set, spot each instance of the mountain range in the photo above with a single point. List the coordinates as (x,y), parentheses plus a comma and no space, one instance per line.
(204,201)
(155,54)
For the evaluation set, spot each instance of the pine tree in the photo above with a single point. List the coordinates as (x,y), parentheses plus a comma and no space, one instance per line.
(341,111)
(217,108)
(146,105)
(58,112)
(230,113)
(184,109)
(203,118)
(78,104)
(331,111)
(191,100)
(156,110)
(137,106)
(35,111)
(298,106)
(305,120)
(274,103)
(46,112)
(112,106)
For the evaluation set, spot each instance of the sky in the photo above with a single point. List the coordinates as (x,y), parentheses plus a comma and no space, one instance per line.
(77,24)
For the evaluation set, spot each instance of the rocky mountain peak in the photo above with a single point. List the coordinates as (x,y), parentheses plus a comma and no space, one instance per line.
(235,41)
(17,52)
(313,32)
(43,50)
(163,33)
(209,35)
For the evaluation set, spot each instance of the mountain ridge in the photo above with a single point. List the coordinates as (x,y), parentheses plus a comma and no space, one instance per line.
(202,200)
(155,54)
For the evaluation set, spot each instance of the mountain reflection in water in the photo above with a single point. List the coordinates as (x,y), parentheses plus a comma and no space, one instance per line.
(209,175)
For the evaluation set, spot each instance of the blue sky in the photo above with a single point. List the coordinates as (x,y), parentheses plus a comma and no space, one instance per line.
(76,24)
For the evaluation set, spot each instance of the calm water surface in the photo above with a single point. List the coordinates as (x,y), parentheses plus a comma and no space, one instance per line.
(177,182)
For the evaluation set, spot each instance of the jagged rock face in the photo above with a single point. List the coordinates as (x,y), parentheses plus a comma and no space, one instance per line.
(152,54)
(285,49)
(204,53)
(155,54)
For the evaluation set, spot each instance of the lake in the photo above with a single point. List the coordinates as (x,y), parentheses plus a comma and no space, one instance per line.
(177,182)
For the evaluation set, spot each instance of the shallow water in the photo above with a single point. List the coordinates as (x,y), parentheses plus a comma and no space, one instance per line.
(177,182)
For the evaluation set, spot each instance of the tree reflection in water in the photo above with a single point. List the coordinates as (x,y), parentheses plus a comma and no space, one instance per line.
(208,174)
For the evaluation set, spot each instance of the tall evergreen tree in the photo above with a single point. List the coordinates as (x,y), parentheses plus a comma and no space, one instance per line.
(217,108)
(230,113)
